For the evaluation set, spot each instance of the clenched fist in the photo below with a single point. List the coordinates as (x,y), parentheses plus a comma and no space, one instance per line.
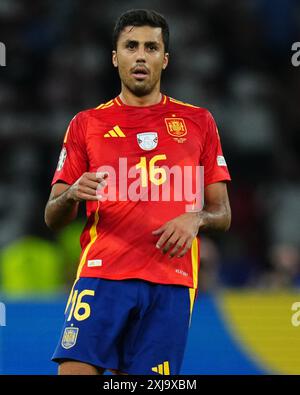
(87,187)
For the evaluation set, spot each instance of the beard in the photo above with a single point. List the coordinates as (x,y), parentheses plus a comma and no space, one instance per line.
(139,89)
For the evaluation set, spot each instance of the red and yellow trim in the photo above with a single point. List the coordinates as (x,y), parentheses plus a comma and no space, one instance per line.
(93,238)
(105,105)
(66,135)
(117,101)
(182,103)
(195,263)
(99,107)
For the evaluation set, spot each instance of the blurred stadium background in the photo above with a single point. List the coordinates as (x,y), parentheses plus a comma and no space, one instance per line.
(232,57)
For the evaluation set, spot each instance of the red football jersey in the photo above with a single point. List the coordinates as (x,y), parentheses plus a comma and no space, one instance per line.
(138,146)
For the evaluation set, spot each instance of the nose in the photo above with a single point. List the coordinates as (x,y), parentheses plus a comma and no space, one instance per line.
(141,54)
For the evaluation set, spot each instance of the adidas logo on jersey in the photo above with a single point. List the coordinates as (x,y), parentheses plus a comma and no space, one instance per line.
(162,368)
(115,132)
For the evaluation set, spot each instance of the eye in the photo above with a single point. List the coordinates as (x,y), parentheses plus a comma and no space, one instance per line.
(152,47)
(131,45)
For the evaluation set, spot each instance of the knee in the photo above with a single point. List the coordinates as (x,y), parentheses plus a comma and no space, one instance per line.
(78,368)
(117,372)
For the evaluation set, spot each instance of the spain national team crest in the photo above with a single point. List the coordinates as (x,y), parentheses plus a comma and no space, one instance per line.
(147,140)
(176,128)
(69,337)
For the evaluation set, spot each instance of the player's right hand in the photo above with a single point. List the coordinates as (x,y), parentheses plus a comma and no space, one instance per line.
(87,187)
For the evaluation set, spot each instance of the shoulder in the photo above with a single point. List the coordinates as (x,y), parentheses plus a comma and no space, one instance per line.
(197,111)
(97,111)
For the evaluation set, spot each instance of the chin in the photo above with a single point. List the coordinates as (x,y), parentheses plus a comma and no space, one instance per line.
(141,90)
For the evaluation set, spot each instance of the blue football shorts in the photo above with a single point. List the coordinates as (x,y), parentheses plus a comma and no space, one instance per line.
(133,326)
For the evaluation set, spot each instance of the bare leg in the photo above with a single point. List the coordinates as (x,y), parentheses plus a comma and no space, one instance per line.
(114,371)
(78,368)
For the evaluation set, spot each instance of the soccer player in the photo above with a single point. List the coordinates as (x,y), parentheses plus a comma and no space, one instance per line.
(133,161)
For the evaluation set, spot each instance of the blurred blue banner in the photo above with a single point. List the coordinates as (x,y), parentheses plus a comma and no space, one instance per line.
(232,332)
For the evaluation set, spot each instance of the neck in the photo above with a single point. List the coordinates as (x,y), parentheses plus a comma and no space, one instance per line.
(130,99)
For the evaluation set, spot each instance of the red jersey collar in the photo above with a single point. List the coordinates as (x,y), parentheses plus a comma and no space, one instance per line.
(119,102)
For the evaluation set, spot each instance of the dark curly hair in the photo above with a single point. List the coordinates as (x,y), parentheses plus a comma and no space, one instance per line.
(141,17)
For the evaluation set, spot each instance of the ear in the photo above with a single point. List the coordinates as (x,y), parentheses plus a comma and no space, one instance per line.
(166,60)
(114,58)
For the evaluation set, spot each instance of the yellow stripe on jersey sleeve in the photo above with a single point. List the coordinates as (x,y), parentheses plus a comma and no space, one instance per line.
(66,135)
(182,103)
(105,105)
(98,108)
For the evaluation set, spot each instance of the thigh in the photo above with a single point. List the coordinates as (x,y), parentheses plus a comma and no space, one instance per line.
(156,341)
(78,368)
(95,321)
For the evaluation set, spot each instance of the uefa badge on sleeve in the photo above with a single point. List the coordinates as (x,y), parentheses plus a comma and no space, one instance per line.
(61,159)
(69,337)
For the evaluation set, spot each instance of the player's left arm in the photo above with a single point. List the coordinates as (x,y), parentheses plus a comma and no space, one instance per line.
(178,234)
(216,213)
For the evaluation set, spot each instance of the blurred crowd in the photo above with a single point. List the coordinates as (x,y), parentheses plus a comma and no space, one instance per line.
(232,57)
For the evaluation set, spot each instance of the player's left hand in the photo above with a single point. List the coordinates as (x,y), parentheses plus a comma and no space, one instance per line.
(178,233)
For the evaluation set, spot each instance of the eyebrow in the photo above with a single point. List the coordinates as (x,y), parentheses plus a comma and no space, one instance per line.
(137,42)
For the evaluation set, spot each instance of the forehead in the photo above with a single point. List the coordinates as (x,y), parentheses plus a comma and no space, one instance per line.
(141,34)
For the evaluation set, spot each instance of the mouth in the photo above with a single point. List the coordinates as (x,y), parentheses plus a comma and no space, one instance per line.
(140,73)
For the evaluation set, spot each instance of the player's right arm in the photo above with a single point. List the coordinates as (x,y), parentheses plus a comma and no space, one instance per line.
(62,206)
(72,181)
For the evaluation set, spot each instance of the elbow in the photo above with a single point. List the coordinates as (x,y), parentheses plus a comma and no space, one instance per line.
(227,222)
(56,221)
(49,222)
(52,226)
(46,217)
(227,225)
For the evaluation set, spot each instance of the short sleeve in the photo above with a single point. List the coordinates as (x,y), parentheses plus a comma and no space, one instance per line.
(212,158)
(73,161)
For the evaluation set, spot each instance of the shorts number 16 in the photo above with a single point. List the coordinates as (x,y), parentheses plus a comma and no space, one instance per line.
(81,310)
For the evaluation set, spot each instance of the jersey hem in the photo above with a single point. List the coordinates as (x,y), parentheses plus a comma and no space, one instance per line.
(137,278)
